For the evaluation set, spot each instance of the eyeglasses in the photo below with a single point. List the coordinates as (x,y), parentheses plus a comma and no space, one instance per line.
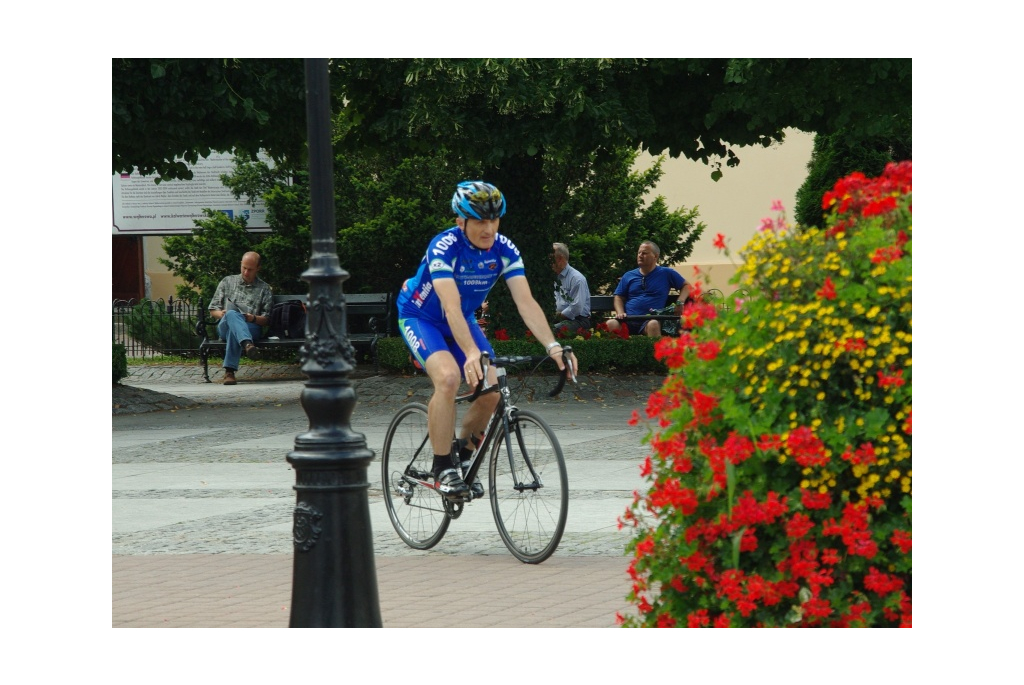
(643,283)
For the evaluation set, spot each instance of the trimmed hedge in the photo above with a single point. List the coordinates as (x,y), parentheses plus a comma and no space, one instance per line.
(597,355)
(120,365)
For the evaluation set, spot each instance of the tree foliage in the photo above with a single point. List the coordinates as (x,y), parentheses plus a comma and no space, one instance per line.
(213,251)
(596,206)
(167,112)
(534,127)
(387,208)
(500,109)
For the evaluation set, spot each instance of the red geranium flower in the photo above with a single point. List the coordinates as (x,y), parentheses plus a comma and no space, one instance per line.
(828,290)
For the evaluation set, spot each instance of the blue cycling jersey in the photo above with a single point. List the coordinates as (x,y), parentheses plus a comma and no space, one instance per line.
(475,271)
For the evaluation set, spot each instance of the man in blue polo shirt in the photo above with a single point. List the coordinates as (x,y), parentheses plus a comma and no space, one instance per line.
(643,289)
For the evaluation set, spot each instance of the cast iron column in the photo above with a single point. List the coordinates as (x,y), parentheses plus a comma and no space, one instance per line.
(334,579)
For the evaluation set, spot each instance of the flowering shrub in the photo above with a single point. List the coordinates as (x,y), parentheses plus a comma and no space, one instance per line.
(780,462)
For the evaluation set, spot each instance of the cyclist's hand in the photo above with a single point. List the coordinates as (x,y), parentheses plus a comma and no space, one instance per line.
(557,354)
(471,369)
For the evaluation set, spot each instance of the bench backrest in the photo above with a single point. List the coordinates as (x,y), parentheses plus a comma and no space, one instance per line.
(369,311)
(372,310)
(368,303)
(602,303)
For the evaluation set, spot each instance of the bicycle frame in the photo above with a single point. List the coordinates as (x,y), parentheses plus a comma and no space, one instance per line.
(501,416)
(529,512)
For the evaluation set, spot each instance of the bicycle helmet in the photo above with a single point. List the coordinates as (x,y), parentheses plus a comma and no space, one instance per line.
(478,200)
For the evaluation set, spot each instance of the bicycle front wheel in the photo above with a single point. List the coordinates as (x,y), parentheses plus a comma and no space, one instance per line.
(529,488)
(416,511)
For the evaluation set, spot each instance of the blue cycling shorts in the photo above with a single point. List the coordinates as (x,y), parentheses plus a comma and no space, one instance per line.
(424,338)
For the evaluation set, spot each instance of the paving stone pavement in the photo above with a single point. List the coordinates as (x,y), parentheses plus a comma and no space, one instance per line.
(203,504)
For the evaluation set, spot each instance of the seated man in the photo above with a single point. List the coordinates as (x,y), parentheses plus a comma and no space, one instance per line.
(643,289)
(572,294)
(242,303)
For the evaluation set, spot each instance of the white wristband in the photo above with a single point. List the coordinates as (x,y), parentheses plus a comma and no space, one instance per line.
(552,345)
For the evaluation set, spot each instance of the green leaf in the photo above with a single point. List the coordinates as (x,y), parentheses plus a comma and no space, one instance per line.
(736,538)
(730,476)
(157,70)
(875,420)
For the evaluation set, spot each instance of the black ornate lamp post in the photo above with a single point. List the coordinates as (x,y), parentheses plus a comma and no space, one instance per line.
(334,580)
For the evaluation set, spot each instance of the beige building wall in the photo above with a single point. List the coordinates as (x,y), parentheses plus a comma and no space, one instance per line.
(162,281)
(736,204)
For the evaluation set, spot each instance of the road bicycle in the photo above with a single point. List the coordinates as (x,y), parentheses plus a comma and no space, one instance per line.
(526,483)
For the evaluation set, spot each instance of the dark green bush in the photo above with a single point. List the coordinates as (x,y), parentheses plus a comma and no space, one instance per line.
(150,324)
(120,364)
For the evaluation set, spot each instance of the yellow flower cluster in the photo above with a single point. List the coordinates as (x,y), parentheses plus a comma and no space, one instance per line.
(837,351)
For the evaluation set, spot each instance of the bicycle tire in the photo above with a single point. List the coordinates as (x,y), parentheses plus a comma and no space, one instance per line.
(530,521)
(416,512)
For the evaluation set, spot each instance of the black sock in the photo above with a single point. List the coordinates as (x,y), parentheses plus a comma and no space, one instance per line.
(467,447)
(441,462)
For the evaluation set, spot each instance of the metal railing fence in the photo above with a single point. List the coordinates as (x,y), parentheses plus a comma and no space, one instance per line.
(153,328)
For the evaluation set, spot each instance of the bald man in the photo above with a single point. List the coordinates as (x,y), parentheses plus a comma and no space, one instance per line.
(242,305)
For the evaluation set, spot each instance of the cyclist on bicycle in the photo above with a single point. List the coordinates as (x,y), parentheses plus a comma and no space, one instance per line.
(436,316)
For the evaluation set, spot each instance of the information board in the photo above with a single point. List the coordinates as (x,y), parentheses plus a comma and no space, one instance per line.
(143,207)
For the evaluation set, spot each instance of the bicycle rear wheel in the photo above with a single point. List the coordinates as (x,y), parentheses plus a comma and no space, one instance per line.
(529,506)
(416,511)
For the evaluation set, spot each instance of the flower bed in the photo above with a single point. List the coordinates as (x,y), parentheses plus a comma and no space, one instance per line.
(780,464)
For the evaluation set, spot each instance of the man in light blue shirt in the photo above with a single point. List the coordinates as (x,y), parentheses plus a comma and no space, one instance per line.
(572,294)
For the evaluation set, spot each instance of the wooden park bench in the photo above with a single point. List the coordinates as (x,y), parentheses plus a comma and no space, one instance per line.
(368,316)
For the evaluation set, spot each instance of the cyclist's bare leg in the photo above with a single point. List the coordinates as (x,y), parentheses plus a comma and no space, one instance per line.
(444,373)
(447,377)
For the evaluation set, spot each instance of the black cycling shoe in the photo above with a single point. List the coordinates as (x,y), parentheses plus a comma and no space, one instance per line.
(476,487)
(450,484)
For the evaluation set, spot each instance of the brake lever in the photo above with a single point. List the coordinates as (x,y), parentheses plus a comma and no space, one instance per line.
(566,351)
(485,364)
